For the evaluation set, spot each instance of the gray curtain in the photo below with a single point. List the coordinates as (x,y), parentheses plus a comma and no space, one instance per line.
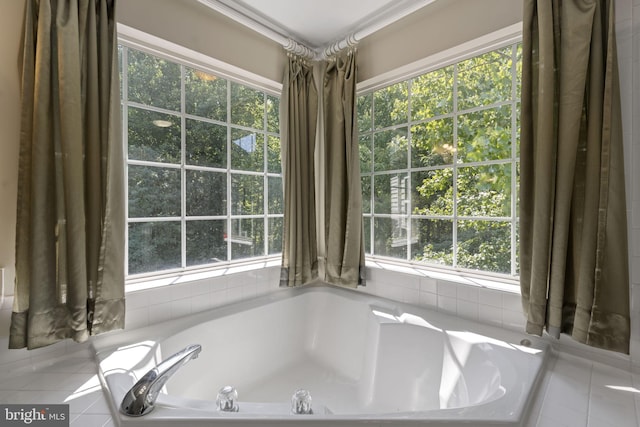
(344,264)
(298,120)
(70,228)
(573,226)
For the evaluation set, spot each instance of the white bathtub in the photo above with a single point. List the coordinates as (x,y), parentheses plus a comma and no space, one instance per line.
(363,359)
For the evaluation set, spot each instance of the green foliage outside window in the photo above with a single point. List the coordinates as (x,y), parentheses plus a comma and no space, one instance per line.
(439,162)
(204,174)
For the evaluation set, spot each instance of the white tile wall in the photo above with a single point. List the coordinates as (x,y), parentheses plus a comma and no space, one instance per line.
(445,292)
(154,305)
(148,306)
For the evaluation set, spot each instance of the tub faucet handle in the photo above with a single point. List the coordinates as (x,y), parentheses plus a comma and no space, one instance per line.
(226,400)
(301,402)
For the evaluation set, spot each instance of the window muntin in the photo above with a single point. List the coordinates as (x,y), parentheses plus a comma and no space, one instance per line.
(203,166)
(439,165)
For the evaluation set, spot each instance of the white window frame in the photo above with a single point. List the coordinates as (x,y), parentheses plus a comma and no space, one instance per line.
(144,42)
(505,37)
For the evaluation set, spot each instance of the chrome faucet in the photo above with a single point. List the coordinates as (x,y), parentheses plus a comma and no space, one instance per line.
(141,398)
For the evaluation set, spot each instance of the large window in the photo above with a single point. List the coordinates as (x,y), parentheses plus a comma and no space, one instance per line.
(439,162)
(203,166)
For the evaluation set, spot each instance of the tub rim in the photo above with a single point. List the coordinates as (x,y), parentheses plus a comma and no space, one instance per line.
(515,415)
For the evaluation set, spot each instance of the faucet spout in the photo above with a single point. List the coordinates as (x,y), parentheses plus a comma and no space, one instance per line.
(141,398)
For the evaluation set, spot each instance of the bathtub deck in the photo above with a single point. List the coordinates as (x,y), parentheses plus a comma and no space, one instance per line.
(337,393)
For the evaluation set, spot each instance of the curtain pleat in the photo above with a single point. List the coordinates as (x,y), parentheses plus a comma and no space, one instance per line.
(298,121)
(70,228)
(573,227)
(344,264)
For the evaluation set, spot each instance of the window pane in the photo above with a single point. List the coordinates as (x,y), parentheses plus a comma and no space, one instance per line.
(247,150)
(366,194)
(519,71)
(485,135)
(365,153)
(367,234)
(273,114)
(247,238)
(432,143)
(390,237)
(275,235)
(364,112)
(518,130)
(120,53)
(247,194)
(154,246)
(517,248)
(153,137)
(206,242)
(433,241)
(390,150)
(153,81)
(153,192)
(485,191)
(391,193)
(206,144)
(247,106)
(206,193)
(485,245)
(275,195)
(517,212)
(274,164)
(227,127)
(432,94)
(466,147)
(432,192)
(390,106)
(485,79)
(205,95)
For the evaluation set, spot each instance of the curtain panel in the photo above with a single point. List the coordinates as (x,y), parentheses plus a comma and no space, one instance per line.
(573,227)
(70,214)
(298,121)
(344,264)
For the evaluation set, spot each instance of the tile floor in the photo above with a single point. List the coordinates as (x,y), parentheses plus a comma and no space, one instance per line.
(574,392)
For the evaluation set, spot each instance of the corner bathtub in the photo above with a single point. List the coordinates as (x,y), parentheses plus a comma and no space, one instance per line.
(363,359)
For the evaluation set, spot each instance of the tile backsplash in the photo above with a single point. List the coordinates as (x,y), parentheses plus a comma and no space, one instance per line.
(462,296)
(479,300)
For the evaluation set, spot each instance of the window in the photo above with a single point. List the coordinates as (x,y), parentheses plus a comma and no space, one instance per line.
(439,163)
(203,166)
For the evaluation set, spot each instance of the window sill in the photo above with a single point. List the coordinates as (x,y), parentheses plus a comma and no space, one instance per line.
(182,277)
(502,284)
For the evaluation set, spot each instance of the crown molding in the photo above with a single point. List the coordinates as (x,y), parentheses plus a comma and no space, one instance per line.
(263,26)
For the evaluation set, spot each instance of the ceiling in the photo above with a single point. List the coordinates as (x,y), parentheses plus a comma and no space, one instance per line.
(318,23)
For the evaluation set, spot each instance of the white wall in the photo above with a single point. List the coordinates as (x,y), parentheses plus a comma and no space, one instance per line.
(439,26)
(192,25)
